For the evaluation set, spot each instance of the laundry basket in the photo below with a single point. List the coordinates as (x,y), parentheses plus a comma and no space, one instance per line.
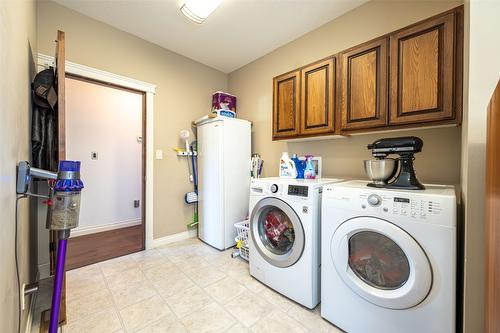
(242,239)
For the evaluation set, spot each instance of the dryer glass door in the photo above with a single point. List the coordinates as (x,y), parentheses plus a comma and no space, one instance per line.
(277,232)
(378,260)
(381,262)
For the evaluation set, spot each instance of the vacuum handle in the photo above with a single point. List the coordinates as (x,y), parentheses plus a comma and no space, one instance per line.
(24,174)
(40,173)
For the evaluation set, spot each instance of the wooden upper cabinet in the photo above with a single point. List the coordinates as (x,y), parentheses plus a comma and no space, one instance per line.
(286,104)
(422,72)
(363,86)
(318,103)
(405,79)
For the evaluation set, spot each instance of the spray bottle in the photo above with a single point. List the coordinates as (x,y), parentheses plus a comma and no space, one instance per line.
(309,172)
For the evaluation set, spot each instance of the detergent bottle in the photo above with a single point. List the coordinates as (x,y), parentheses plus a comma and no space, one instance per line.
(300,165)
(287,167)
(309,172)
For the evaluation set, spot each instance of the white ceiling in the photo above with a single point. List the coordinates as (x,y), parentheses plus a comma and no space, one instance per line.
(236,33)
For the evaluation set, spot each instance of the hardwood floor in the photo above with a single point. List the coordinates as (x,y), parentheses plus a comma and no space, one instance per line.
(107,245)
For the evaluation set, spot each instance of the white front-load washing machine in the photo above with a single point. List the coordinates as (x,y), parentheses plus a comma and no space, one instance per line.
(389,258)
(284,250)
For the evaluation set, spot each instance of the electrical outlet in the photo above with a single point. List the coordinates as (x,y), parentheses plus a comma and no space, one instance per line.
(136,203)
(94,155)
(159,154)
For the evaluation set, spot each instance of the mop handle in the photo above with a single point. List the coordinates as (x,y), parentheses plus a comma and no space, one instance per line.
(195,179)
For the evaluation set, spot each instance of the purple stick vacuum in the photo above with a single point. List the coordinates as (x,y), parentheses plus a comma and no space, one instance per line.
(63,213)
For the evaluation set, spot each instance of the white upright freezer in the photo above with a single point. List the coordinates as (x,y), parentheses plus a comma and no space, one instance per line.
(224,155)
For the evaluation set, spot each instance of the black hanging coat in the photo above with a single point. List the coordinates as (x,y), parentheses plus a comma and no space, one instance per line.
(44,121)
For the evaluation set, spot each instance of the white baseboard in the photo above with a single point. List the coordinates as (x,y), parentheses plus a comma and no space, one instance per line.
(104,227)
(44,270)
(174,238)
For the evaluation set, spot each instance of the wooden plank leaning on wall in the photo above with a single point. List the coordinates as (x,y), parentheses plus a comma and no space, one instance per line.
(61,149)
(492,227)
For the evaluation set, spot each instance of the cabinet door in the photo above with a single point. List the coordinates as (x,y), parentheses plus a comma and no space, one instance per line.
(422,67)
(286,104)
(318,104)
(364,77)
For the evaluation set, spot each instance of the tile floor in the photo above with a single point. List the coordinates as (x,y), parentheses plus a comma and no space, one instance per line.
(182,287)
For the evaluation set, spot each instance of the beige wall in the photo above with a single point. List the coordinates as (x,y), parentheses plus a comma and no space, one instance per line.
(184,89)
(483,74)
(440,160)
(17,43)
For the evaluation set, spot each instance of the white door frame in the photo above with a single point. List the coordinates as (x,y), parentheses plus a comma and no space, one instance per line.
(149,89)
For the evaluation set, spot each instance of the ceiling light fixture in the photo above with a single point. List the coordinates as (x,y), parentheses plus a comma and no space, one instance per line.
(199,10)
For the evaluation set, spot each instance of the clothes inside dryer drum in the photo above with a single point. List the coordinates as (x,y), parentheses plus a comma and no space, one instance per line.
(378,260)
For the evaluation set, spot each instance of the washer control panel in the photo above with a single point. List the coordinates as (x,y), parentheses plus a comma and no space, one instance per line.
(282,189)
(298,190)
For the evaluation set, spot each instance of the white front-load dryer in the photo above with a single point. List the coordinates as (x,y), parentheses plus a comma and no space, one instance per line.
(389,259)
(284,247)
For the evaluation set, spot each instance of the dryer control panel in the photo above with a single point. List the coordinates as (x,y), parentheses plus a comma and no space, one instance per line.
(401,205)
(415,207)
(435,205)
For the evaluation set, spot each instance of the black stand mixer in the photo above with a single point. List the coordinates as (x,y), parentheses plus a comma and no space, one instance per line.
(384,169)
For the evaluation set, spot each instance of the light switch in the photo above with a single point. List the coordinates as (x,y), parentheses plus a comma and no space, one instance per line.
(159,154)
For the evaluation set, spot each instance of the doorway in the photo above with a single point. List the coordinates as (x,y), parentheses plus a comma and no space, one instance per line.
(105,129)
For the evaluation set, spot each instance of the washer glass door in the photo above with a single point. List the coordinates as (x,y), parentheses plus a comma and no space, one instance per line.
(277,232)
(381,262)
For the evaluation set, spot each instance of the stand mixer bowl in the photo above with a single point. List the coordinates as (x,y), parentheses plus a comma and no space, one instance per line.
(380,170)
